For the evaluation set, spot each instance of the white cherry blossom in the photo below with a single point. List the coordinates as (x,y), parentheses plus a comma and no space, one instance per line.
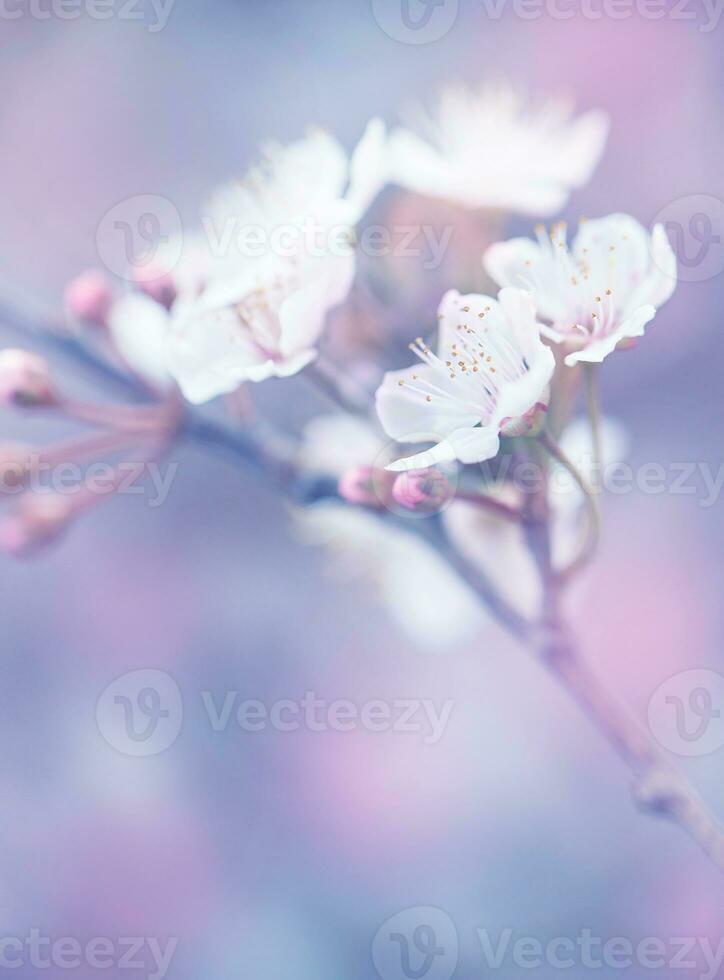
(490,375)
(597,293)
(490,148)
(261,314)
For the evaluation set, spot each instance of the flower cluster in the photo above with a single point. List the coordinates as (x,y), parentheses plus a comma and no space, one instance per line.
(227,316)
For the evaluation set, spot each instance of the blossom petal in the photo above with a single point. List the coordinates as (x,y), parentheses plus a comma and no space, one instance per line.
(407,416)
(368,169)
(303,313)
(506,262)
(660,283)
(139,328)
(597,350)
(616,251)
(466,445)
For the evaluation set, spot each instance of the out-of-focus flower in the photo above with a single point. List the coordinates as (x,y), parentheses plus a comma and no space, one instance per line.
(490,376)
(138,327)
(264,305)
(488,148)
(89,297)
(597,294)
(402,569)
(400,566)
(334,444)
(25,380)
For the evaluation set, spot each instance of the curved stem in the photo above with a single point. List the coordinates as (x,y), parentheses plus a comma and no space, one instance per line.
(594,414)
(593,531)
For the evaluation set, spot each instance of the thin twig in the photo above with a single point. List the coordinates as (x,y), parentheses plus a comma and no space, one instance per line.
(658,787)
(594,414)
(593,531)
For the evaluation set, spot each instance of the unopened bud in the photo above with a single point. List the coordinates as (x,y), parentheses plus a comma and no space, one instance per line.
(89,297)
(14,465)
(40,519)
(357,486)
(424,491)
(25,379)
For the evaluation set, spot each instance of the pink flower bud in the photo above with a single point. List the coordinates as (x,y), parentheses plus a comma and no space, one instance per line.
(25,379)
(159,287)
(14,465)
(89,297)
(39,520)
(357,486)
(424,491)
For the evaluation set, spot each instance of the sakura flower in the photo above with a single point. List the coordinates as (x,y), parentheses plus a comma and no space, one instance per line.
(263,323)
(487,148)
(490,376)
(597,294)
(261,313)
(398,565)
